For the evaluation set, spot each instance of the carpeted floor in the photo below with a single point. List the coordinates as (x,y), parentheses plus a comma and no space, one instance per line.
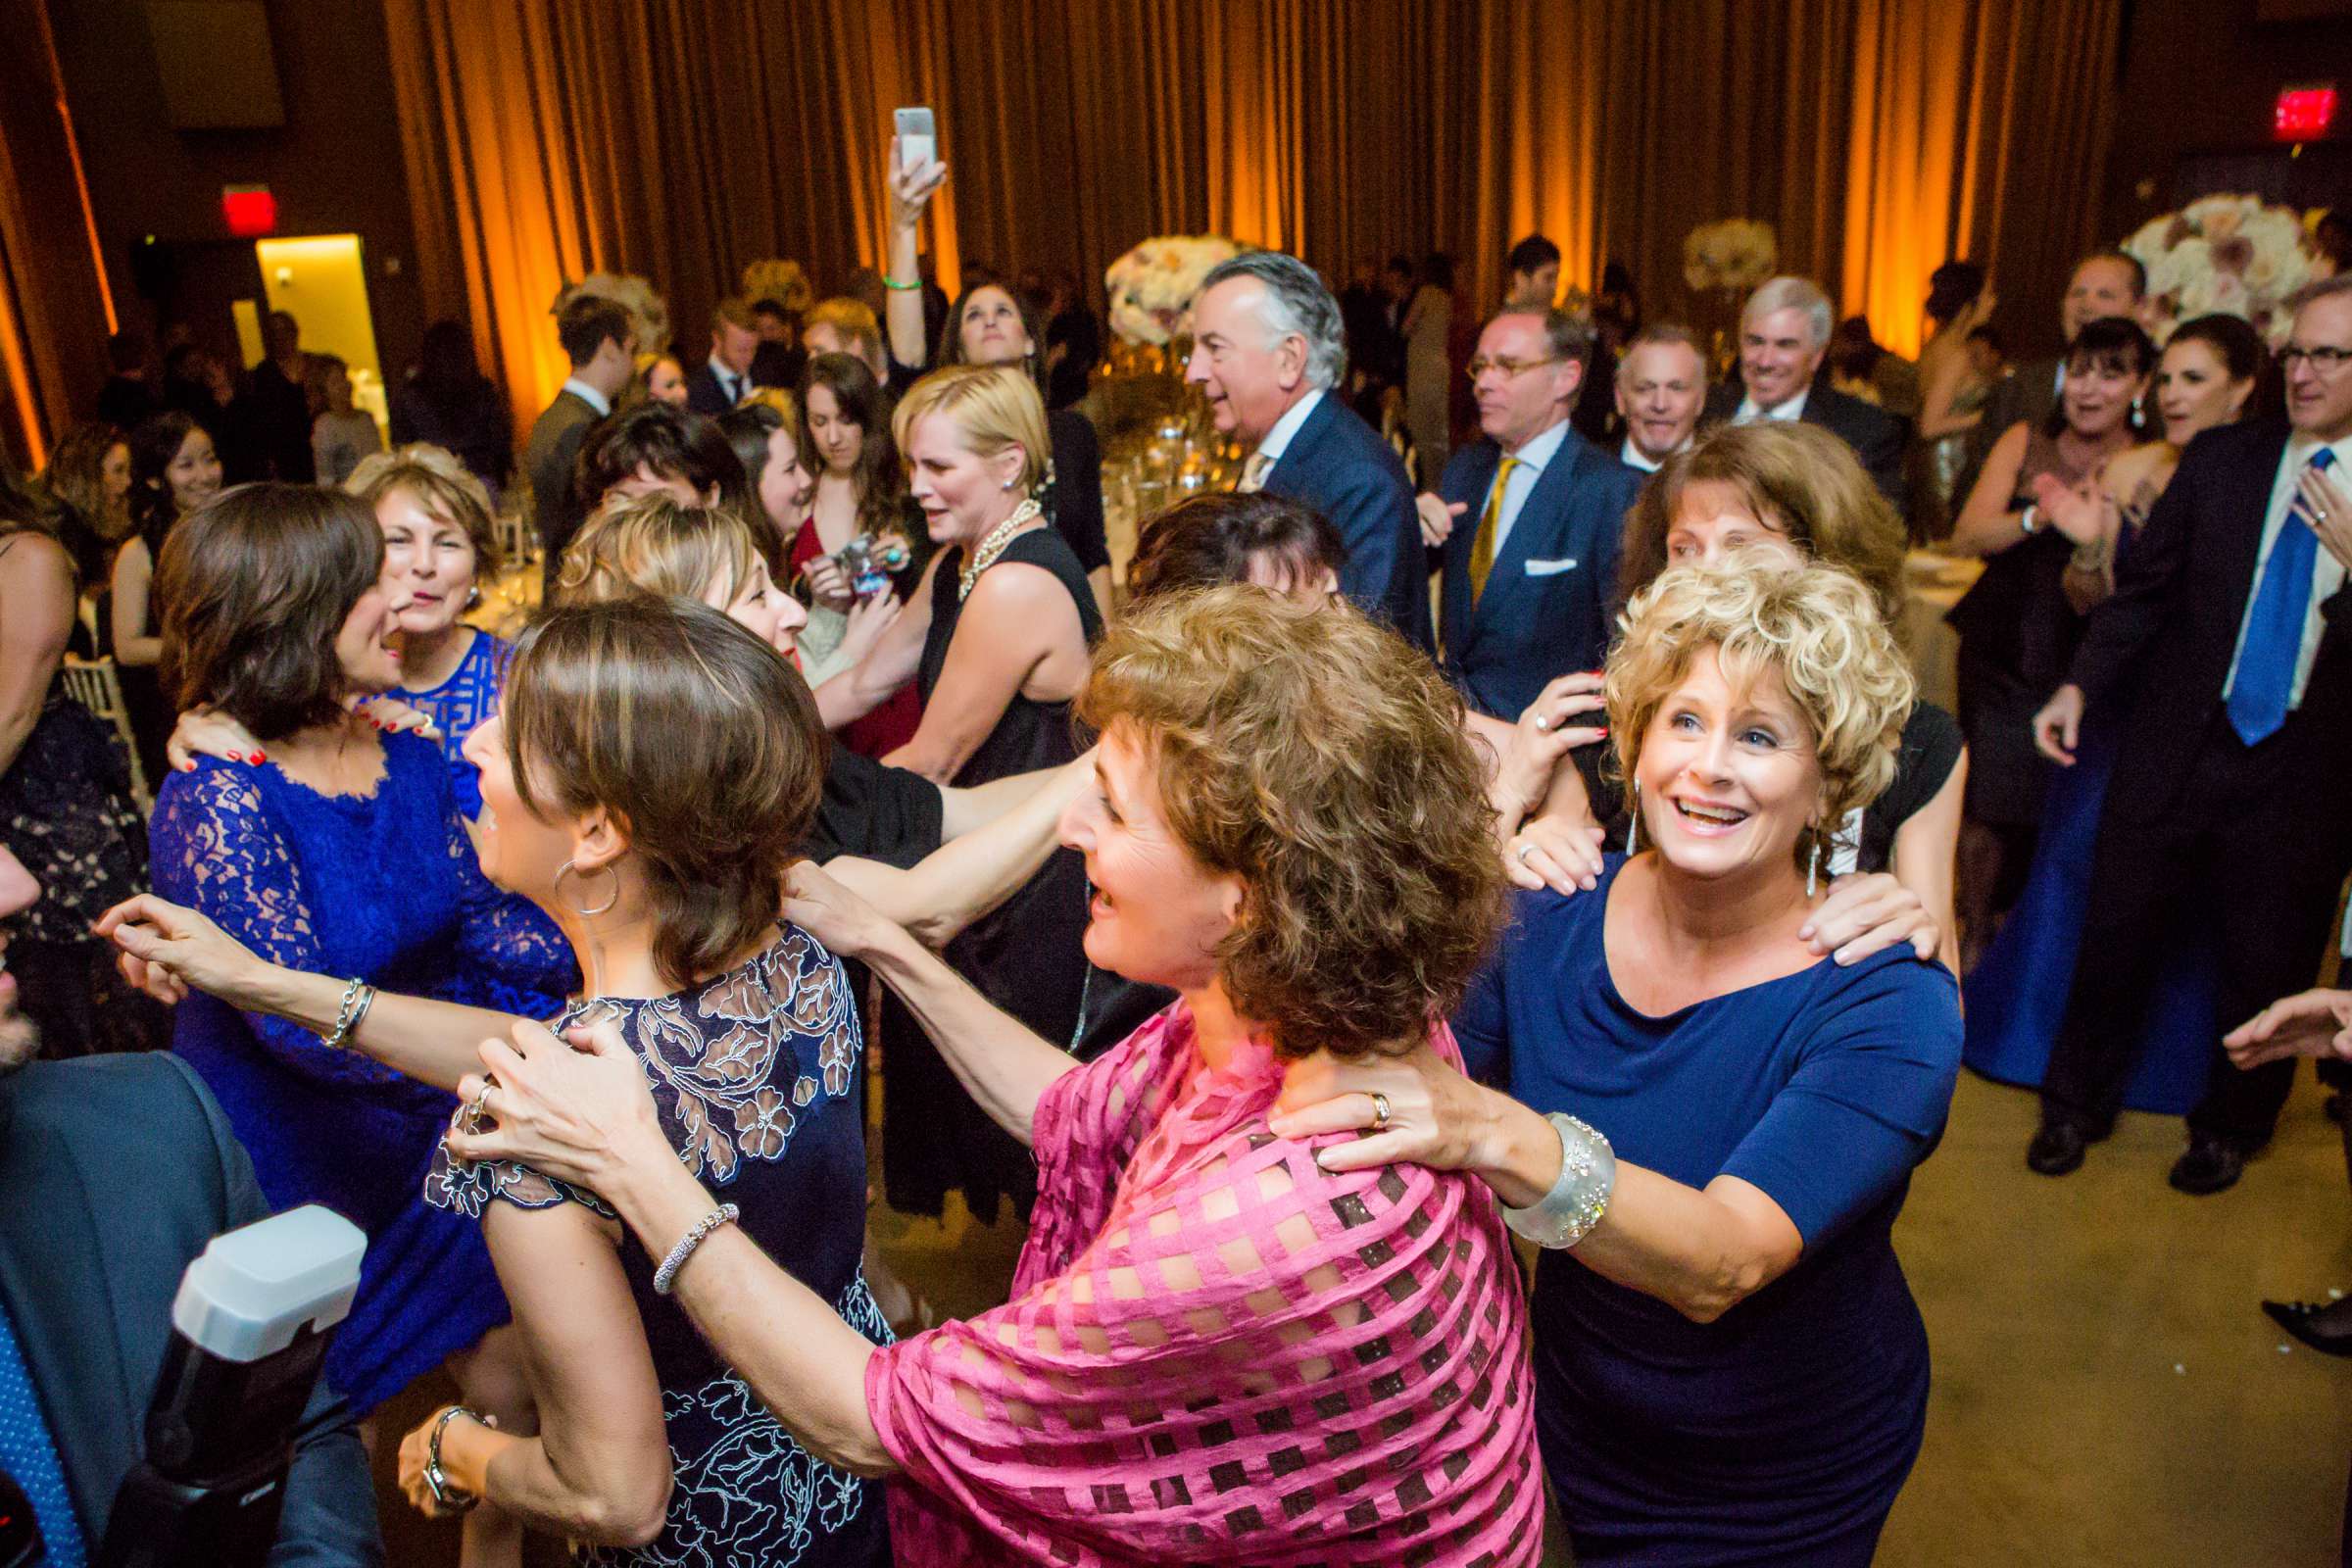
(2106,1391)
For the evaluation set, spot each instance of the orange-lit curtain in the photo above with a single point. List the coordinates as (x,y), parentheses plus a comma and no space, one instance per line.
(1979,131)
(681,138)
(53,308)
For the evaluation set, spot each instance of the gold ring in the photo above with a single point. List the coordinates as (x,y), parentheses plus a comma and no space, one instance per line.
(1379,1111)
(473,1107)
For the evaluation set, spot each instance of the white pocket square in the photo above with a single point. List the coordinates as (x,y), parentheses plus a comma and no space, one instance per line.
(1551,569)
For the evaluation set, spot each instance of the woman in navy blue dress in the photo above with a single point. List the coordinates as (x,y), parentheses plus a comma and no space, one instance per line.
(649,776)
(1730,1367)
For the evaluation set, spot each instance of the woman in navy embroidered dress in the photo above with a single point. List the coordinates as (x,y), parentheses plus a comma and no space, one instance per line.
(1728,1365)
(650,1450)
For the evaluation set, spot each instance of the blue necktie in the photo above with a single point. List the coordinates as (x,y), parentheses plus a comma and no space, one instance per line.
(2266,665)
(30,1454)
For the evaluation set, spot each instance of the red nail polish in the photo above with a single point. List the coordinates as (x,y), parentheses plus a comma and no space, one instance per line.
(259,758)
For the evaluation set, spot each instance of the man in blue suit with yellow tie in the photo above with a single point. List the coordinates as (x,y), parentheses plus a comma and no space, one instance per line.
(1528,518)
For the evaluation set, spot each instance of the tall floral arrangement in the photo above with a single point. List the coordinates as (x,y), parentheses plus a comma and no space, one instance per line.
(781,280)
(649,312)
(2231,255)
(1151,286)
(1732,255)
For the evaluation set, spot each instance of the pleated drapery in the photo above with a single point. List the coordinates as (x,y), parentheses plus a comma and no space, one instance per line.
(682,138)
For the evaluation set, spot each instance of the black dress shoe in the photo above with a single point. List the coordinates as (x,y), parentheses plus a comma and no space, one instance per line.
(2211,1165)
(2057,1149)
(2326,1328)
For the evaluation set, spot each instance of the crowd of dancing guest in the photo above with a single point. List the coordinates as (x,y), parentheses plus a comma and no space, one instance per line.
(838,593)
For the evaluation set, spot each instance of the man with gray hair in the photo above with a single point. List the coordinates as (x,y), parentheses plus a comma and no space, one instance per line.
(1269,353)
(1784,334)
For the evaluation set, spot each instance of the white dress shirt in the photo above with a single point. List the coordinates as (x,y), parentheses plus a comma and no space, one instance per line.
(1630,456)
(2327,573)
(1531,458)
(1793,409)
(1286,429)
(731,386)
(589,395)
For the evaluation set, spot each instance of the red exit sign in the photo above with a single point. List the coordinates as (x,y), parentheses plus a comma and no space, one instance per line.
(2303,114)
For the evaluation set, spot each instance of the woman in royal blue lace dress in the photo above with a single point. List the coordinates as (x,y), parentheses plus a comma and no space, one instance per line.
(652,772)
(343,852)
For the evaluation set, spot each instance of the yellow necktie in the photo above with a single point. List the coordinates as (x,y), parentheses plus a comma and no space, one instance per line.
(1481,544)
(1253,474)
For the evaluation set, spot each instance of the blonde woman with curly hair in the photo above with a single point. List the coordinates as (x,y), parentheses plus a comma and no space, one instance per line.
(1710,1126)
(1216,1348)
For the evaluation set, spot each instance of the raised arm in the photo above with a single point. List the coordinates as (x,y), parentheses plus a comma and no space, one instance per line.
(1018,618)
(911,191)
(599,1470)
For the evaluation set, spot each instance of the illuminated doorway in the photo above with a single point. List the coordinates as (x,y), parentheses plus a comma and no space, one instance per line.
(321,280)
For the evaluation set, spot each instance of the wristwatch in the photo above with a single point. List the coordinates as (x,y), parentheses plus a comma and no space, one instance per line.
(436,1479)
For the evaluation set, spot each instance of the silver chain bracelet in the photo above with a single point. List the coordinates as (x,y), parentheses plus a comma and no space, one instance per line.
(667,1273)
(1565,1215)
(358,997)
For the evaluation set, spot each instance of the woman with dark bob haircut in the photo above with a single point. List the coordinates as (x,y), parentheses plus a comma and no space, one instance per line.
(653,769)
(1215,1349)
(344,852)
(1220,537)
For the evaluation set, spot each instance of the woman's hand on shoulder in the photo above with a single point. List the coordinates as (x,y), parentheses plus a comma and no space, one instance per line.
(821,906)
(1436,1116)
(1546,734)
(1553,852)
(1869,912)
(577,1108)
(396,718)
(206,731)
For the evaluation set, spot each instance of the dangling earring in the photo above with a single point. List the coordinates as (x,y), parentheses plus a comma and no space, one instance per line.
(1634,818)
(474,597)
(614,897)
(1813,867)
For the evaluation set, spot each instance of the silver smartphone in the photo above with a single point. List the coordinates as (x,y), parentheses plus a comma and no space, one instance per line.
(918,137)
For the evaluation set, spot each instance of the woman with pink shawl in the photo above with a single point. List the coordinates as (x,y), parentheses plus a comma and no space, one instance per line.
(1215,1349)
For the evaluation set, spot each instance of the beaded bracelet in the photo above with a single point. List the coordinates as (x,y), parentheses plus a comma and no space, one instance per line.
(667,1273)
(1565,1215)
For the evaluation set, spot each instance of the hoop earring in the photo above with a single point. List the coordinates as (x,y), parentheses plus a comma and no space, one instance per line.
(1632,819)
(569,867)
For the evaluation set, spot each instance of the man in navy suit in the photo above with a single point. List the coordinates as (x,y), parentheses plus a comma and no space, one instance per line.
(1270,351)
(725,378)
(1784,337)
(118,1170)
(1529,519)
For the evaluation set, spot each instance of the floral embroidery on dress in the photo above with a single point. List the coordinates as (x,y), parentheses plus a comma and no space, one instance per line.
(718,1058)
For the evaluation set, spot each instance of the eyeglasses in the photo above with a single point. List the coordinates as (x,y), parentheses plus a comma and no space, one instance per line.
(2326,361)
(1511,368)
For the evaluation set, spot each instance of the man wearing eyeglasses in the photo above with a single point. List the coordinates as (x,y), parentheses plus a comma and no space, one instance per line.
(2229,643)
(1527,519)
(1784,337)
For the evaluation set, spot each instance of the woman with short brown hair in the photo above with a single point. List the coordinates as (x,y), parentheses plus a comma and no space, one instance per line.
(1215,1349)
(651,774)
(343,851)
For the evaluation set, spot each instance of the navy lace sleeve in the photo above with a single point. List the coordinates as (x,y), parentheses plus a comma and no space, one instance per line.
(214,848)
(511,956)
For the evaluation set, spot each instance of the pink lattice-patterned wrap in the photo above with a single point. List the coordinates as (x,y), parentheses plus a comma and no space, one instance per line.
(1218,1351)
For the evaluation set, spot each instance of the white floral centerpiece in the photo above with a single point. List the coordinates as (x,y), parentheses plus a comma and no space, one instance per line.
(2228,255)
(1151,286)
(649,312)
(1732,253)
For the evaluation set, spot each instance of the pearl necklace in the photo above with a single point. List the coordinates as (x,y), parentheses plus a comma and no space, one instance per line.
(994,543)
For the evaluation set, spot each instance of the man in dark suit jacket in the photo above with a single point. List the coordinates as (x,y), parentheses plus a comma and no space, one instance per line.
(118,1170)
(2104,283)
(598,339)
(724,380)
(2230,622)
(1529,555)
(1271,352)
(1784,334)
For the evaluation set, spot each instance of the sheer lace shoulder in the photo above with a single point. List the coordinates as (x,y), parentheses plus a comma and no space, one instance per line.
(214,848)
